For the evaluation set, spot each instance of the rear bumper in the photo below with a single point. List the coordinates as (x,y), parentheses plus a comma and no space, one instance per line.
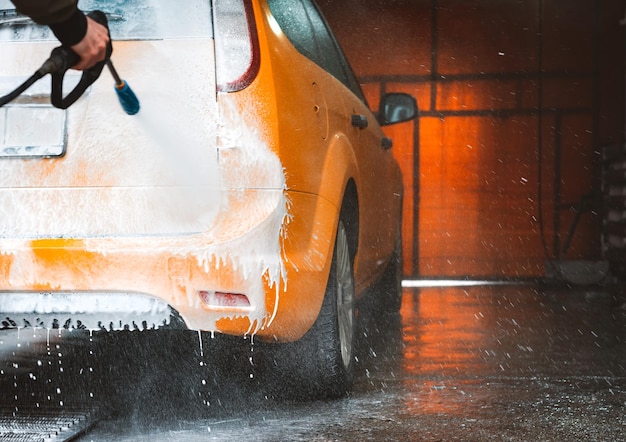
(279,262)
(79,278)
(90,310)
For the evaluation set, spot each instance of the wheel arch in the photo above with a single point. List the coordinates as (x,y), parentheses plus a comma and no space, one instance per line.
(340,185)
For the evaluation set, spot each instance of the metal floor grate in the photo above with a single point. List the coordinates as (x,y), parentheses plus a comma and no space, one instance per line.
(43,425)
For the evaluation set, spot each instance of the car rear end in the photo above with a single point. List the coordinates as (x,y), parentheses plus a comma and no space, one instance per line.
(112,221)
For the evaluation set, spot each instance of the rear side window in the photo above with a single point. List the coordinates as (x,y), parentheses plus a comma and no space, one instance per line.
(306,28)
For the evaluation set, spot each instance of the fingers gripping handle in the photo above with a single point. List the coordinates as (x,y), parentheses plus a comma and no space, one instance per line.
(63,58)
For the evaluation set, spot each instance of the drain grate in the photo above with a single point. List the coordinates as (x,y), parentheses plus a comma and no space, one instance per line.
(44,426)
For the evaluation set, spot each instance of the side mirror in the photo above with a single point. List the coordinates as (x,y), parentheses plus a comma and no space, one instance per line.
(397,108)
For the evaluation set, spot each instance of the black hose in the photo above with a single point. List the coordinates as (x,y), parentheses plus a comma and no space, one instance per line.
(60,59)
(21,88)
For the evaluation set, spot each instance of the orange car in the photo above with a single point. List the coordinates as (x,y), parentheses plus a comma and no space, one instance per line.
(253,194)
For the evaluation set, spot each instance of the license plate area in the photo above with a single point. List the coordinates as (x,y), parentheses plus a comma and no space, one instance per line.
(29,130)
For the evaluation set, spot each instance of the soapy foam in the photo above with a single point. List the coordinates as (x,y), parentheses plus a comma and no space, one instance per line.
(154,173)
(129,156)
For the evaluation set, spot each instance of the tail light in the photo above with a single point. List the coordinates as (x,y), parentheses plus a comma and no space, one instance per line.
(219,300)
(236,44)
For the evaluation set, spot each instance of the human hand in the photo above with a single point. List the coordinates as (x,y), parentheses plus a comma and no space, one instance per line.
(92,48)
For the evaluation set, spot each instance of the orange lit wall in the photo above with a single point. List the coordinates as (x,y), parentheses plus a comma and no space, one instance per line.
(517,98)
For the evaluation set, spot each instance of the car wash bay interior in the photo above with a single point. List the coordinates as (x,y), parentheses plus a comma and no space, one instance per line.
(517,158)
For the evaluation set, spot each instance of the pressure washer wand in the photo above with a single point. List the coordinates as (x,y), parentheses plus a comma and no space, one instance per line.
(125,94)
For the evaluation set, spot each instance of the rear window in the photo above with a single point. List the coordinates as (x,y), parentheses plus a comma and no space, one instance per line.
(128,20)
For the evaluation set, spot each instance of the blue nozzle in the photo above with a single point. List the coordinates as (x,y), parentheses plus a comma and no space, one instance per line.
(127,98)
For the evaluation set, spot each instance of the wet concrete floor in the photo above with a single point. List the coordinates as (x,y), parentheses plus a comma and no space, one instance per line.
(501,362)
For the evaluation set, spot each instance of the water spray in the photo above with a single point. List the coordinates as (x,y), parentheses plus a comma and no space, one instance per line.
(61,60)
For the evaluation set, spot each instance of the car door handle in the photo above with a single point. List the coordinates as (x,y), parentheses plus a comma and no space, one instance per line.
(359,121)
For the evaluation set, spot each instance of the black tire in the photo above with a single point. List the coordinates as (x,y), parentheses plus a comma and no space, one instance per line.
(389,288)
(320,364)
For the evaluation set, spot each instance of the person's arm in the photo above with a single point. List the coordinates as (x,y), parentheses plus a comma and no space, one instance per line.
(46,12)
(72,28)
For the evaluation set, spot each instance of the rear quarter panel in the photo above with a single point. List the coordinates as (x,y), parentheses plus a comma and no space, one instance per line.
(304,115)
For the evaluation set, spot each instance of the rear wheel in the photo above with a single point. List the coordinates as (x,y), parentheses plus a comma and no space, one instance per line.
(320,364)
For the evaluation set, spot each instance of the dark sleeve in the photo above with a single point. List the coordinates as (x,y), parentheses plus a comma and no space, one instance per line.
(63,17)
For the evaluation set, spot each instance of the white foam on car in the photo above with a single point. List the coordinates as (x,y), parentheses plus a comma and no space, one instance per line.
(149,178)
(249,243)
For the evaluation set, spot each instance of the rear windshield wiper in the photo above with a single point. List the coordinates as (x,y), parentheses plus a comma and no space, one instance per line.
(10,17)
